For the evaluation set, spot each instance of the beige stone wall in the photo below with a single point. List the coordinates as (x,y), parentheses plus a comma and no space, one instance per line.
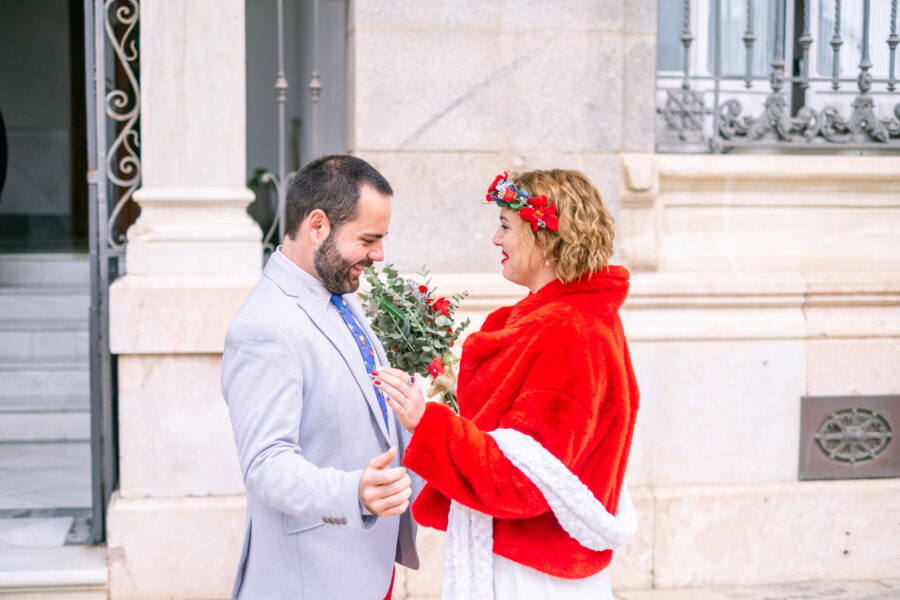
(444,95)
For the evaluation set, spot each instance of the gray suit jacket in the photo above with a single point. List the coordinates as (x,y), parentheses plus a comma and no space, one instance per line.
(306,422)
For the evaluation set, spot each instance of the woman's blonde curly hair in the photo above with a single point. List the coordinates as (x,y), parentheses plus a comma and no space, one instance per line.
(586,232)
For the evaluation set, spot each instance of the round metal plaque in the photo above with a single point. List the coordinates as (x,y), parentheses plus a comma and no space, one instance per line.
(853,435)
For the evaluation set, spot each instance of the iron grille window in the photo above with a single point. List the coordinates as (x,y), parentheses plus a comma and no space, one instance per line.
(790,74)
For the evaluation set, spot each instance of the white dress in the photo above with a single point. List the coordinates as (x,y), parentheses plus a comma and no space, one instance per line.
(473,571)
(513,581)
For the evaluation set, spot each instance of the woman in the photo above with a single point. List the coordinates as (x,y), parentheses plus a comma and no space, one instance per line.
(554,367)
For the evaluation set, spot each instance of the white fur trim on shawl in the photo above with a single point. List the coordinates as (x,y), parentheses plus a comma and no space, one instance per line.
(468,554)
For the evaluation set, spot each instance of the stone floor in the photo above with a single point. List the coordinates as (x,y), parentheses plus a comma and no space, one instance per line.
(45,494)
(858,590)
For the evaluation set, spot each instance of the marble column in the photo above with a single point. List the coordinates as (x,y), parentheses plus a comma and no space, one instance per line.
(176,522)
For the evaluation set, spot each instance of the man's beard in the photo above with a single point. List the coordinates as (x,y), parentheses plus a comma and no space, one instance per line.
(334,270)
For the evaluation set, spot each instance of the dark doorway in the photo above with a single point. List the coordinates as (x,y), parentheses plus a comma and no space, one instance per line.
(43,200)
(45,402)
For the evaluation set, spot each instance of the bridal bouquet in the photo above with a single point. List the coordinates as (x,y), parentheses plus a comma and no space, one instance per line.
(415,327)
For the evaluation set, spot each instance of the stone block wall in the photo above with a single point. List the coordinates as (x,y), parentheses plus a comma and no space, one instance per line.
(444,95)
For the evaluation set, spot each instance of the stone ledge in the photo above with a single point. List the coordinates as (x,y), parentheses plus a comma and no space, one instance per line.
(70,572)
(754,172)
(726,306)
(711,288)
(830,590)
(759,213)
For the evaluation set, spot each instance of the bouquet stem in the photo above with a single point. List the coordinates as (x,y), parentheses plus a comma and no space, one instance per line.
(449,398)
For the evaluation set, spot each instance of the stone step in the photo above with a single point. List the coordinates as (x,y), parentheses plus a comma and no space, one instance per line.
(44,404)
(45,419)
(70,426)
(39,269)
(44,339)
(58,303)
(66,573)
(36,378)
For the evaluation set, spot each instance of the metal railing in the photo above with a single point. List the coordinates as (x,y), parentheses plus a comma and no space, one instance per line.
(280,182)
(801,110)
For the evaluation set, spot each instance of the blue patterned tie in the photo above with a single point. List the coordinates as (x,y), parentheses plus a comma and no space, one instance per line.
(364,345)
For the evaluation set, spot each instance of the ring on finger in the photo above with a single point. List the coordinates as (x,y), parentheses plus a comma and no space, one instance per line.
(401,401)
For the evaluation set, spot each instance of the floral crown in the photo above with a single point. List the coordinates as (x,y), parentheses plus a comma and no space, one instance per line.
(538,211)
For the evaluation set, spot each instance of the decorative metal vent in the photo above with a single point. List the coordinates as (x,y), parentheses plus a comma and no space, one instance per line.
(853,435)
(846,437)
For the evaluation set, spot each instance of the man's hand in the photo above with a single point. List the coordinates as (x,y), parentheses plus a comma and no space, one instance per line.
(385,492)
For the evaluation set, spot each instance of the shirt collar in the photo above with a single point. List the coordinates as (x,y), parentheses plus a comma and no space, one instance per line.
(316,288)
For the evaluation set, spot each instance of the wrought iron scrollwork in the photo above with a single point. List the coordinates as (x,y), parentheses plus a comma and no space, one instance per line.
(684,112)
(123,106)
(733,125)
(280,189)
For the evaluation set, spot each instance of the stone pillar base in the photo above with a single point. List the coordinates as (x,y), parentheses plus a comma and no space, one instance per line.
(186,548)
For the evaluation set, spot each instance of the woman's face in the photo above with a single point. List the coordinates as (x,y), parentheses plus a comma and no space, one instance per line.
(522,262)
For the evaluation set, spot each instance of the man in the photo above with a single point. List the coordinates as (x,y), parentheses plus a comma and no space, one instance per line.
(327,497)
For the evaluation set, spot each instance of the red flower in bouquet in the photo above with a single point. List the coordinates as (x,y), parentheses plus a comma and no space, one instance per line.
(442,306)
(436,367)
(538,212)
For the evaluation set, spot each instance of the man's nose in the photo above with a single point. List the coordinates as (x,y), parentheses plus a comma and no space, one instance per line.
(377,253)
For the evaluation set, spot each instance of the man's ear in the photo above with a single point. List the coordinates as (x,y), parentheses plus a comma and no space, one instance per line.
(318,226)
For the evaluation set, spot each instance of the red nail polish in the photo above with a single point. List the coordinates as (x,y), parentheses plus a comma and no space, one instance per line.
(377,382)
(374,372)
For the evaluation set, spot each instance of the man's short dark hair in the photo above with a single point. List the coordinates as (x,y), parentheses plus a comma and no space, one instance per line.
(332,184)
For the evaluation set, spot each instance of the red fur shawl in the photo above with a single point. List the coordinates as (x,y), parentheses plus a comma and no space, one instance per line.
(556,367)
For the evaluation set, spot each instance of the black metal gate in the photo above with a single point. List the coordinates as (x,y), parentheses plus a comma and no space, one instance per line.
(114,173)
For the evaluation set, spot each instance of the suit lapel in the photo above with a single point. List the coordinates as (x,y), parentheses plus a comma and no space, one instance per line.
(348,350)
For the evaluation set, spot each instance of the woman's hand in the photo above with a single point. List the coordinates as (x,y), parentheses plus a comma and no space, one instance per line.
(403,395)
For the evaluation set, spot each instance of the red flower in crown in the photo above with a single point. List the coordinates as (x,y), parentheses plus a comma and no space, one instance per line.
(423,289)
(497,179)
(539,214)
